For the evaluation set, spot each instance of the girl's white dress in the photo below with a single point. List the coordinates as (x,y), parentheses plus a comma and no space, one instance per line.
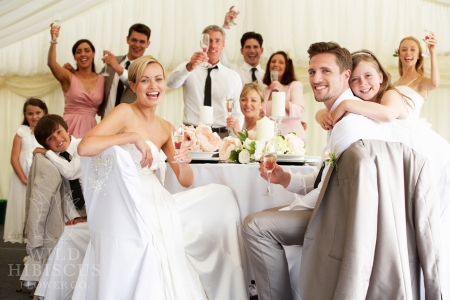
(15,209)
(149,244)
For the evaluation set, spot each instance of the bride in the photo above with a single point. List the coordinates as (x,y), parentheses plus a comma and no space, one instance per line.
(195,233)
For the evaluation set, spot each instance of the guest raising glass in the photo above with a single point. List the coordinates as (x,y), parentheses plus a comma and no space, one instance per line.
(287,83)
(83,89)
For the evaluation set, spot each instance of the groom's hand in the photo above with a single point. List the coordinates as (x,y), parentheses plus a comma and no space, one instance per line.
(279,176)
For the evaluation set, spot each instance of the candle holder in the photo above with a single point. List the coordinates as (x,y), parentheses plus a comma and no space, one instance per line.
(278,125)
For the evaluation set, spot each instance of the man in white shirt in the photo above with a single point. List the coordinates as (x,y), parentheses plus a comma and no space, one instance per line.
(251,50)
(224,83)
(138,40)
(265,232)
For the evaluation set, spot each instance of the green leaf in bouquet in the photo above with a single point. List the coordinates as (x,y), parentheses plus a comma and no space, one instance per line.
(243,136)
(234,155)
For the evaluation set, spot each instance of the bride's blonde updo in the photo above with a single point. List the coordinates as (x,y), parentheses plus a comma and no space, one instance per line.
(138,66)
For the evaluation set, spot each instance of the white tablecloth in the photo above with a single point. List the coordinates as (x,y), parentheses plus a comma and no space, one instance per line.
(248,187)
(245,182)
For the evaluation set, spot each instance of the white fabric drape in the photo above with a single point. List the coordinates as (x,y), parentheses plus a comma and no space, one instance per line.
(290,25)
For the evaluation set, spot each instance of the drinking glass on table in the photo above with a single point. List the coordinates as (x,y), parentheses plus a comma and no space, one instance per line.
(204,44)
(427,37)
(269,160)
(178,138)
(230,105)
(106,47)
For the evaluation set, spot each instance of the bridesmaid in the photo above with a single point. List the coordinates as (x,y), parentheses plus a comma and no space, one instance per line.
(295,103)
(413,82)
(83,90)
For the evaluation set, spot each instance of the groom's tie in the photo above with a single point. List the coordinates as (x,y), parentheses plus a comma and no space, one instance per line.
(319,176)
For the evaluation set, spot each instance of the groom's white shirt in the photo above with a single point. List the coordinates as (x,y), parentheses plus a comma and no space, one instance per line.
(349,129)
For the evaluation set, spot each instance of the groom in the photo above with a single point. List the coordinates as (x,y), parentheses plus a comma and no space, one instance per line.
(266,232)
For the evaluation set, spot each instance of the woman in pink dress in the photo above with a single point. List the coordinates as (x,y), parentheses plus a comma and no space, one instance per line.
(83,89)
(295,103)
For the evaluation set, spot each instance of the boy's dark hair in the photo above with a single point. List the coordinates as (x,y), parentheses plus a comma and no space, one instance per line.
(251,35)
(46,126)
(141,28)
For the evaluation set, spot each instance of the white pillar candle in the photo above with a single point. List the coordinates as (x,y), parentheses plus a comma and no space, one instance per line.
(265,129)
(206,115)
(278,104)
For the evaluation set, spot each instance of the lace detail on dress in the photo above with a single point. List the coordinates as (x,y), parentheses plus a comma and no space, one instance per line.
(99,171)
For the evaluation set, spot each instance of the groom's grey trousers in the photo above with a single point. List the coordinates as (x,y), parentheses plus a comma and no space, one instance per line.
(264,235)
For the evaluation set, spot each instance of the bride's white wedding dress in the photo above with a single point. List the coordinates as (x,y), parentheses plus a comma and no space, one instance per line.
(417,134)
(149,244)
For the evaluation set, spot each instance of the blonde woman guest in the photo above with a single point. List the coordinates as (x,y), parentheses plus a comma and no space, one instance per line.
(251,102)
(295,103)
(83,89)
(413,83)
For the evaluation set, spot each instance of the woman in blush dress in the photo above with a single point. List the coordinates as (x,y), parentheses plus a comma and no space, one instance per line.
(83,89)
(251,102)
(194,234)
(295,103)
(413,83)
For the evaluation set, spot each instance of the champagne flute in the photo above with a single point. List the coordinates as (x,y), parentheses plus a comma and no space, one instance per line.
(230,105)
(274,77)
(204,44)
(236,10)
(56,22)
(177,138)
(269,160)
(427,37)
(106,47)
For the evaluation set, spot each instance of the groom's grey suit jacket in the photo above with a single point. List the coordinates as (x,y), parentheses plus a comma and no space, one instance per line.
(375,222)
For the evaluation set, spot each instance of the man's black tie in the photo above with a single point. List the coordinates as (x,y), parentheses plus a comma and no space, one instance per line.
(254,75)
(121,86)
(319,176)
(207,98)
(77,193)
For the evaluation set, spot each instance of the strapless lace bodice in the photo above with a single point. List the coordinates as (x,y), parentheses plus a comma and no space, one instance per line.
(158,163)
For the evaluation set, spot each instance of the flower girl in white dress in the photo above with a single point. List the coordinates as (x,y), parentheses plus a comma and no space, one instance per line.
(189,241)
(21,157)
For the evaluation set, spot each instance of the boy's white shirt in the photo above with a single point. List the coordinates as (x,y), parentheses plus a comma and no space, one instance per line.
(69,171)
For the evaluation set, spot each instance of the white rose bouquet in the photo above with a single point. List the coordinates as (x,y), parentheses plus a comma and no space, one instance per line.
(244,149)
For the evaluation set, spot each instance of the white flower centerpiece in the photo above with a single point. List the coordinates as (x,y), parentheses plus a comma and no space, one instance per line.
(246,149)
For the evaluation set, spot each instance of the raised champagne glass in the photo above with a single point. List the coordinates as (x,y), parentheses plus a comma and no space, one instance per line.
(177,139)
(106,47)
(269,160)
(204,44)
(230,105)
(427,37)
